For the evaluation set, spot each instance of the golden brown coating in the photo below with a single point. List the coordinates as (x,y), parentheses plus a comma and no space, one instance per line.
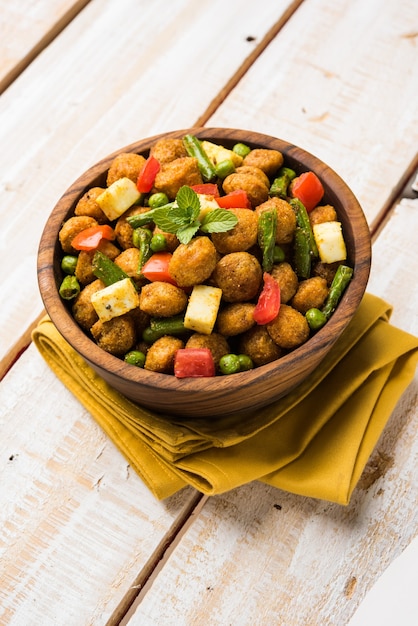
(160,355)
(235,318)
(326,270)
(239,275)
(160,299)
(192,263)
(216,343)
(83,311)
(267,160)
(256,190)
(127,164)
(141,321)
(286,219)
(116,336)
(252,170)
(259,346)
(84,267)
(71,228)
(321,214)
(311,293)
(87,205)
(166,150)
(128,261)
(175,174)
(289,329)
(242,237)
(123,230)
(288,281)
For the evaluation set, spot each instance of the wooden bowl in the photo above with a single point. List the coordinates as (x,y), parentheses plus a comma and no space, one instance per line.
(195,397)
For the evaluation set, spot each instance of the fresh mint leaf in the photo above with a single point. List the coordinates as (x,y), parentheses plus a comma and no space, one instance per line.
(187,198)
(219,221)
(186,233)
(162,218)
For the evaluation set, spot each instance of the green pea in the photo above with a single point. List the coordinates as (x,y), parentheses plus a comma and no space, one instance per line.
(135,357)
(224,168)
(69,263)
(70,288)
(278,254)
(245,362)
(158,242)
(157,199)
(315,318)
(229,364)
(241,149)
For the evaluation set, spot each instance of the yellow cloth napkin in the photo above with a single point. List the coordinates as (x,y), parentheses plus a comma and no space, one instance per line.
(314,442)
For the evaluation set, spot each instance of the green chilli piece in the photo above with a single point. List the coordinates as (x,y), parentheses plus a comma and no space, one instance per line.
(315,318)
(194,149)
(224,168)
(163,326)
(141,238)
(339,284)
(280,184)
(305,247)
(70,288)
(105,269)
(267,227)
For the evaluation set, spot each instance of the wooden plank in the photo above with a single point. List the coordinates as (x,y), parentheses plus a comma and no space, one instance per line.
(257,555)
(99,86)
(26,28)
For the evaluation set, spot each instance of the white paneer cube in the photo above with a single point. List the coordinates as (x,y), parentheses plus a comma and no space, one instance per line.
(217,154)
(202,308)
(330,242)
(207,204)
(118,198)
(115,300)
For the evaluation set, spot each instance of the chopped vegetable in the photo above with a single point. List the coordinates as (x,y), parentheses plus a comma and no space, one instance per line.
(156,268)
(224,168)
(147,175)
(268,305)
(217,154)
(141,238)
(241,149)
(235,200)
(118,198)
(339,283)
(105,269)
(305,248)
(135,357)
(70,288)
(194,363)
(315,318)
(267,226)
(115,300)
(202,308)
(163,326)
(308,189)
(280,184)
(69,263)
(194,149)
(89,238)
(206,189)
(330,242)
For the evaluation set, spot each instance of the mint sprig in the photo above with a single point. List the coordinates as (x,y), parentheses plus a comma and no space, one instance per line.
(182,218)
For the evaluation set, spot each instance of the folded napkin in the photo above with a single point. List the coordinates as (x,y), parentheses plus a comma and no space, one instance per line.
(314,442)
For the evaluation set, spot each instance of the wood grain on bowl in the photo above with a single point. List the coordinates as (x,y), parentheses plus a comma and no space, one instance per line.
(218,395)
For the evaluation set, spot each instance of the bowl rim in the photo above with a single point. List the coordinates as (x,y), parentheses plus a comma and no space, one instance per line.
(61,317)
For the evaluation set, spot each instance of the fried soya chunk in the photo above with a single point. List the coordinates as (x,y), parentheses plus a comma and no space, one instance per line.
(266,159)
(123,230)
(257,191)
(321,214)
(84,268)
(128,261)
(284,274)
(216,343)
(116,336)
(286,219)
(239,275)
(167,150)
(126,164)
(160,299)
(240,238)
(160,355)
(175,174)
(325,270)
(192,263)
(235,319)
(87,205)
(83,311)
(289,329)
(71,228)
(311,293)
(259,346)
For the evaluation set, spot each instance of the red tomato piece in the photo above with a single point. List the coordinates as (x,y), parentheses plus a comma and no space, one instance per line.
(156,268)
(206,189)
(89,238)
(147,175)
(268,305)
(308,189)
(235,200)
(194,363)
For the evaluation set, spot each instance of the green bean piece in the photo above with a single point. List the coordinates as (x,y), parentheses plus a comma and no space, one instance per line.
(339,283)
(278,254)
(229,364)
(241,149)
(69,263)
(315,318)
(279,186)
(194,149)
(302,219)
(163,326)
(143,219)
(158,199)
(245,363)
(70,288)
(141,238)
(105,269)
(158,242)
(135,357)
(302,253)
(267,227)
(224,168)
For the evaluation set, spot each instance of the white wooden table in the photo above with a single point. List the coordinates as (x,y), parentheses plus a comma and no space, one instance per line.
(82,540)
